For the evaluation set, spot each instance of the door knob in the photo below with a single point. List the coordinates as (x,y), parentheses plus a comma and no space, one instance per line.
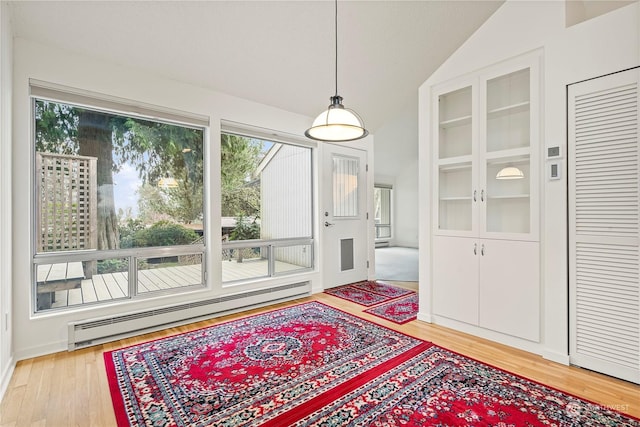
(328,224)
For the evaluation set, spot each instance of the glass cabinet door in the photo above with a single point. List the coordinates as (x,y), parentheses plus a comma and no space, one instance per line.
(455,167)
(506,192)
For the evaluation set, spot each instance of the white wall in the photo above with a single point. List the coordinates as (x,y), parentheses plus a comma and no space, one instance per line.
(396,164)
(592,48)
(6,63)
(46,333)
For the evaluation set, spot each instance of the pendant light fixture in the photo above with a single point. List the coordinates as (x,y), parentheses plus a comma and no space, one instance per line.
(337,123)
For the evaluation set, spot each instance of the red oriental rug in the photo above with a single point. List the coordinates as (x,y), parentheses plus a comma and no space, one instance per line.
(442,388)
(249,371)
(400,311)
(368,293)
(314,365)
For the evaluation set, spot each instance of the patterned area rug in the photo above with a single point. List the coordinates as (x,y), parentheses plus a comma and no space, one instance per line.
(251,370)
(401,310)
(442,388)
(368,293)
(313,365)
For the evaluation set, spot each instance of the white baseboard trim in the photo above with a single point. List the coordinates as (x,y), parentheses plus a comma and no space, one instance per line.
(6,377)
(424,317)
(42,350)
(511,341)
(554,356)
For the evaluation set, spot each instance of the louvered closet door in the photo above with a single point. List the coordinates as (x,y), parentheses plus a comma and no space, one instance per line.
(604,225)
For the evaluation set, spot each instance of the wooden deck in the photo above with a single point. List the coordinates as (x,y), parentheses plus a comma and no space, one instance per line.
(105,287)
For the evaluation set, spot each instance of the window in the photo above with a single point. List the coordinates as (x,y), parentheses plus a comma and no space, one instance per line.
(266,208)
(118,203)
(382,217)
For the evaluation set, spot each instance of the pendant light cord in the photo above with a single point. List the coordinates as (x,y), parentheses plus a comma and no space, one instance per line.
(336,27)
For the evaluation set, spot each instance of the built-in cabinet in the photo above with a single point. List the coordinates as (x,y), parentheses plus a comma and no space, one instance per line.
(485,237)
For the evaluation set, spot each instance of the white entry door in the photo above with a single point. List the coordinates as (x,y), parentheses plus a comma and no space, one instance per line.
(344,215)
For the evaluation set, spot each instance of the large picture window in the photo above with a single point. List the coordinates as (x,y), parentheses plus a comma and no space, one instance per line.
(267,191)
(118,204)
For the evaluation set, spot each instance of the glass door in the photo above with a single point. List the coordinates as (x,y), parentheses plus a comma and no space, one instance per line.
(507,154)
(455,165)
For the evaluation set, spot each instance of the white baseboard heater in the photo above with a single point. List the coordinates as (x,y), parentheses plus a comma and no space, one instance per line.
(90,332)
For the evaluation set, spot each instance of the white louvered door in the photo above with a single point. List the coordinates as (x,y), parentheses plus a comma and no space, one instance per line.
(604,227)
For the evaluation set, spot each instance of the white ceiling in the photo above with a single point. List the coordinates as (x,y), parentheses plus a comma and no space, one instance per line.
(279,53)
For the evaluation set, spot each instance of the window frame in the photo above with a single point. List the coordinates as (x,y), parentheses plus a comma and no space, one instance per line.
(44,91)
(377,186)
(253,132)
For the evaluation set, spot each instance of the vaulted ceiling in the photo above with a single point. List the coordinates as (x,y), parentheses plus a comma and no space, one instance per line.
(279,53)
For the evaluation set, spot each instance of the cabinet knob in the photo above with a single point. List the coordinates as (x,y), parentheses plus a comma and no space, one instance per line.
(482,250)
(475,194)
(482,196)
(475,249)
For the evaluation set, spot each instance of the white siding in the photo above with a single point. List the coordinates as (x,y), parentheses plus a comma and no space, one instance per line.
(286,204)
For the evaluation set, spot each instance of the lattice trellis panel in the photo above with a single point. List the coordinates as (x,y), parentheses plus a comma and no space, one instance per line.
(66,202)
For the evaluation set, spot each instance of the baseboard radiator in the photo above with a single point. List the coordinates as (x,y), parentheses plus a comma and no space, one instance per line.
(90,332)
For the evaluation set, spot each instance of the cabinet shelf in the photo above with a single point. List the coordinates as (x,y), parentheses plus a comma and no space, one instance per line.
(454,198)
(510,196)
(457,121)
(458,162)
(510,155)
(508,109)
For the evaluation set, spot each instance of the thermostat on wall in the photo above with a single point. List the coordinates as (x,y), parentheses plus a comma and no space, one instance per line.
(554,170)
(554,152)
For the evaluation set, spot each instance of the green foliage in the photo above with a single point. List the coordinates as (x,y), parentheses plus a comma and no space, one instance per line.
(118,265)
(56,128)
(115,265)
(240,157)
(243,201)
(152,148)
(162,233)
(128,231)
(246,229)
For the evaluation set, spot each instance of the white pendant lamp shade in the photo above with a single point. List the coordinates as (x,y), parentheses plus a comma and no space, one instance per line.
(510,172)
(337,124)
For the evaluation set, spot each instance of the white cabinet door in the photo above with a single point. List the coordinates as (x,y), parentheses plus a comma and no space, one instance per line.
(508,149)
(454,139)
(455,275)
(510,288)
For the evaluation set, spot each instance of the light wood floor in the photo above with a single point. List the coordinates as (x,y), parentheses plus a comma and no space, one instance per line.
(70,389)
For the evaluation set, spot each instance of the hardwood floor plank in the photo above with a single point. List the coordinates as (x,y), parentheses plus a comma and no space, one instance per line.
(71,388)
